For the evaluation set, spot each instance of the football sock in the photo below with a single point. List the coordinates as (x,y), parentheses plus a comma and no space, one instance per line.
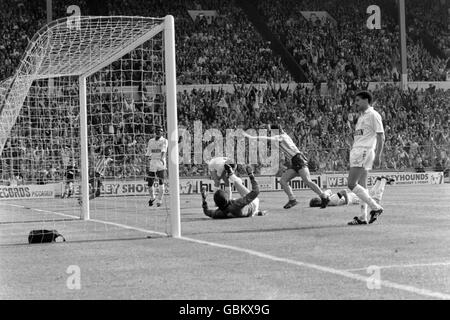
(160,192)
(363,194)
(363,216)
(229,193)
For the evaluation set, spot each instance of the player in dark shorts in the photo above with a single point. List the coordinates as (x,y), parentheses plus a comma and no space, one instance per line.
(298,166)
(70,173)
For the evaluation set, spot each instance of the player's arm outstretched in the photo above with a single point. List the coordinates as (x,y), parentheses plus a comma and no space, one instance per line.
(274,138)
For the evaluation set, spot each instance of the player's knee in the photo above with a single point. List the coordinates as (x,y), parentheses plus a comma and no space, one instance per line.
(283,181)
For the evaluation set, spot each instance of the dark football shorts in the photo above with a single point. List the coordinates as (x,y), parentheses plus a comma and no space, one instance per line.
(298,162)
(153,175)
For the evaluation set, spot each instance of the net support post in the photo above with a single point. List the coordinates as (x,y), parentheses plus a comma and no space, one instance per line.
(84,150)
(172,124)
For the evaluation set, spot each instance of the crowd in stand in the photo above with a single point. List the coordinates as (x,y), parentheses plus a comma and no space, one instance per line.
(340,45)
(227,49)
(416,124)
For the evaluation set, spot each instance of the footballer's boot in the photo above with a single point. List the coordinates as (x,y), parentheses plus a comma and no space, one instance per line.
(290,204)
(388,180)
(261,213)
(374,214)
(356,221)
(150,202)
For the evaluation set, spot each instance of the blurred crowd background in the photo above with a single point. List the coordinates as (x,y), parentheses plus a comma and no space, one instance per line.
(338,53)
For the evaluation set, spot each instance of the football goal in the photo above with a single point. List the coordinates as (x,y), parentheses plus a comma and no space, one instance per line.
(75,122)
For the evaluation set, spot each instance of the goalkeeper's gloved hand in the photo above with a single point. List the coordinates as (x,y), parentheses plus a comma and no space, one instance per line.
(203,191)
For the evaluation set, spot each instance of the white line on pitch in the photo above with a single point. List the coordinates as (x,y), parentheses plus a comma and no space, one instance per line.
(93,220)
(44,211)
(385,283)
(343,273)
(431,264)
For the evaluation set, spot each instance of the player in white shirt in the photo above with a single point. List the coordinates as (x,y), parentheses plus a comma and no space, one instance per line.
(156,165)
(298,167)
(218,173)
(345,197)
(366,152)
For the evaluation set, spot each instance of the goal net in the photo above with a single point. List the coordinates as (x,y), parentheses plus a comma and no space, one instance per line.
(75,122)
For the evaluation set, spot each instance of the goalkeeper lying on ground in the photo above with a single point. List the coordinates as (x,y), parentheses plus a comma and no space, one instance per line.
(245,207)
(345,197)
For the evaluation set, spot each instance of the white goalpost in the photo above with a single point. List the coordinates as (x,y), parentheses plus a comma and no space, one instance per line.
(90,88)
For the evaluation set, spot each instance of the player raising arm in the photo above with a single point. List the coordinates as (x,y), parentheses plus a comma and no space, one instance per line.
(245,207)
(156,165)
(218,173)
(366,152)
(298,167)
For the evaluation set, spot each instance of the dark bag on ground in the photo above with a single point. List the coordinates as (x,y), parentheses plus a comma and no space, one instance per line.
(44,236)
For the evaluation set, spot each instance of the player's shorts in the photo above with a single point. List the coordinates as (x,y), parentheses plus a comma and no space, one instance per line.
(157,165)
(217,164)
(298,162)
(251,209)
(153,175)
(362,158)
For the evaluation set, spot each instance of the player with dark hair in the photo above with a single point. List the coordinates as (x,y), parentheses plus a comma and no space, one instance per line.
(100,162)
(156,165)
(366,152)
(244,207)
(298,166)
(69,171)
(69,175)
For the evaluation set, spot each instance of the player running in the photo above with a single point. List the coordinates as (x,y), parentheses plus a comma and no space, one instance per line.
(245,207)
(156,154)
(298,166)
(345,197)
(366,152)
(218,173)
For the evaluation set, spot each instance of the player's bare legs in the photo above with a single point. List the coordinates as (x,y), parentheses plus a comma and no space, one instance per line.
(287,176)
(355,174)
(306,177)
(363,183)
(243,191)
(151,190)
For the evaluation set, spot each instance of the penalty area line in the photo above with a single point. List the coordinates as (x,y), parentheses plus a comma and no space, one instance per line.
(120,225)
(343,273)
(413,265)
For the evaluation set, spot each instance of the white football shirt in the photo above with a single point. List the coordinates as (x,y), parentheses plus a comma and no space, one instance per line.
(368,125)
(155,150)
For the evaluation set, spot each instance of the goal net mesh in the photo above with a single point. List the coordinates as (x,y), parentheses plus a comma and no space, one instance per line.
(40,137)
